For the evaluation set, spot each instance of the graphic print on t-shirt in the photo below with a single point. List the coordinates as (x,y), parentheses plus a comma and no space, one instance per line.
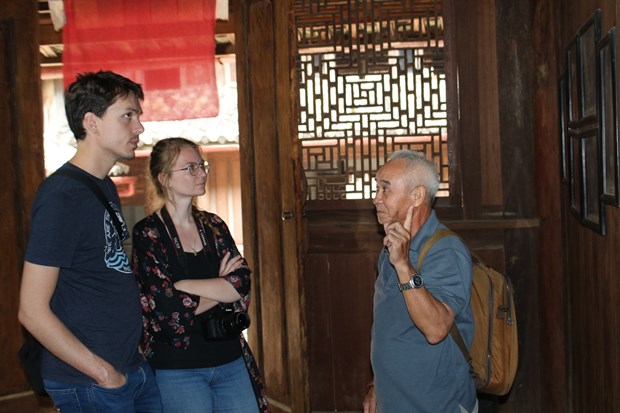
(115,256)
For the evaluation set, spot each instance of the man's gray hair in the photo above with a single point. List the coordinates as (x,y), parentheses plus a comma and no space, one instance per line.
(420,171)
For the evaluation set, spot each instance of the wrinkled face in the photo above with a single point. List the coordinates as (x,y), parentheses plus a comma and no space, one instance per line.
(394,192)
(181,183)
(118,130)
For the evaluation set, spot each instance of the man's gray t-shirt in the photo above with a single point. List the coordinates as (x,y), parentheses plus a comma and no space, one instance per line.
(96,296)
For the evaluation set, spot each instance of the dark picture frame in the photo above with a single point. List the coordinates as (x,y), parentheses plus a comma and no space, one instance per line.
(589,124)
(588,37)
(575,175)
(572,82)
(563,111)
(592,207)
(608,118)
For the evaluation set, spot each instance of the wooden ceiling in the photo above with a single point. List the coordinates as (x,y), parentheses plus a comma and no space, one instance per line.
(51,44)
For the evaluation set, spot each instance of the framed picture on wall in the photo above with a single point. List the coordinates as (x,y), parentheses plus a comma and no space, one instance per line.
(563,111)
(608,117)
(593,212)
(572,83)
(587,38)
(575,175)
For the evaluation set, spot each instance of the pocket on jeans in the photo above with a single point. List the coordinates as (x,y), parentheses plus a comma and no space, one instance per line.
(64,399)
(112,390)
(116,399)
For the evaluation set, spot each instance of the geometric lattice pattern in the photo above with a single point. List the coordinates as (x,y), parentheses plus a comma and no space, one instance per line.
(371,81)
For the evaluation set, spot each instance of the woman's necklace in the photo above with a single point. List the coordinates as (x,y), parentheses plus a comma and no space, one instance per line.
(193,249)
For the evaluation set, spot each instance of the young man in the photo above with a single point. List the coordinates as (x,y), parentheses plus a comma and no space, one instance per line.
(417,367)
(78,294)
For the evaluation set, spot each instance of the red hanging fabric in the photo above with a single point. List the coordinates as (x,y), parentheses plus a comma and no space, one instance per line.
(168,46)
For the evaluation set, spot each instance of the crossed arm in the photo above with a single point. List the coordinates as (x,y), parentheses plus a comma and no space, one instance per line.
(214,290)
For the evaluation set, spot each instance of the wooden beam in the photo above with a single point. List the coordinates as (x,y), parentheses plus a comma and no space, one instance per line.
(51,36)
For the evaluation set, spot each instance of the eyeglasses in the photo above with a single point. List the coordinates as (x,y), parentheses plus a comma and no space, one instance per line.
(193,168)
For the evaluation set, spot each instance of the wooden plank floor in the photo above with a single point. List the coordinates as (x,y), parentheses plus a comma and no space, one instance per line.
(26,402)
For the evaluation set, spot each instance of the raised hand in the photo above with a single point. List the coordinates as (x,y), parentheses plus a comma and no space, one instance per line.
(398,238)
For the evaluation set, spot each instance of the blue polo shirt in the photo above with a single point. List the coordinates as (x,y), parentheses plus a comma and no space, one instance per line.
(412,375)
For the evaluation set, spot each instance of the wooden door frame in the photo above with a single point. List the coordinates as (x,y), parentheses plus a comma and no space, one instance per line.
(271,194)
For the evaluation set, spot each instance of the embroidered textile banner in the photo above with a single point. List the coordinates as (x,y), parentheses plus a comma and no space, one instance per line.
(168,46)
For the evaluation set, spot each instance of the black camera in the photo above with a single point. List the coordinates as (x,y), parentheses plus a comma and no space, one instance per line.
(224,322)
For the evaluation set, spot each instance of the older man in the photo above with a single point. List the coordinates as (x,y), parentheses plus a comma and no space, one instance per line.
(417,366)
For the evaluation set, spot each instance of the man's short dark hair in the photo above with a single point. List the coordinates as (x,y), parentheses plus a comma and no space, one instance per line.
(95,92)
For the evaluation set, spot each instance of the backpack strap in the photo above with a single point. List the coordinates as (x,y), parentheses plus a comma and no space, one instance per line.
(454,330)
(98,193)
(439,234)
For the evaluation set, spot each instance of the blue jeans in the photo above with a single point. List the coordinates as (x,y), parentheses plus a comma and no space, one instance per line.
(138,395)
(226,388)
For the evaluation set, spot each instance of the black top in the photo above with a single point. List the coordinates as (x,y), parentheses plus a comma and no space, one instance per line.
(201,353)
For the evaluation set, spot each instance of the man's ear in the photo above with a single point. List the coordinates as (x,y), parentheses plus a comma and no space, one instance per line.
(418,195)
(90,122)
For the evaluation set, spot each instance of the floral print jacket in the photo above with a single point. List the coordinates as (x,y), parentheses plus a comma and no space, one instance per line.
(168,313)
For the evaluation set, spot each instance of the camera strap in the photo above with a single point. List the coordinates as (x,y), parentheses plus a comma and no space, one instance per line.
(181,254)
(176,240)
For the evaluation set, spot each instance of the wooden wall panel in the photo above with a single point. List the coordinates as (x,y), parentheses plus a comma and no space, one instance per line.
(592,266)
(515,75)
(491,193)
(339,275)
(551,280)
(21,168)
(339,312)
(466,44)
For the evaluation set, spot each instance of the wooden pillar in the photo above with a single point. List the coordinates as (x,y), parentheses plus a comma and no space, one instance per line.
(21,168)
(271,199)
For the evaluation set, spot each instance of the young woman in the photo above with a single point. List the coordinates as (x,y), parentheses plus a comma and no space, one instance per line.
(195,289)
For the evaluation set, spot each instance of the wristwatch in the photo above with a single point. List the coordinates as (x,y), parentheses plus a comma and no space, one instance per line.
(414,283)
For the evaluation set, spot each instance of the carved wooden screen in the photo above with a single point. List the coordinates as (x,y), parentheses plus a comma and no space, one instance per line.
(371,80)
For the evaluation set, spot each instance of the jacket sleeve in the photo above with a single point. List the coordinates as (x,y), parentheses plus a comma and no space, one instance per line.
(224,242)
(168,312)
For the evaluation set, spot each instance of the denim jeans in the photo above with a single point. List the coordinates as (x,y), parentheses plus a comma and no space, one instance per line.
(138,395)
(222,389)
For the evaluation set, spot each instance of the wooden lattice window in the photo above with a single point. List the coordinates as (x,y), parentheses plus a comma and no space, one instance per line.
(371,80)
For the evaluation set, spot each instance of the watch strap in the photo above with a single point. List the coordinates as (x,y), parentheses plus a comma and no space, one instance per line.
(414,283)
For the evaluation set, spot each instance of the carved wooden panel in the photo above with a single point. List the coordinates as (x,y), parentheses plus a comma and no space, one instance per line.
(371,80)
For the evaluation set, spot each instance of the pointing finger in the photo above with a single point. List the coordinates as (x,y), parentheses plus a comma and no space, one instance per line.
(407,223)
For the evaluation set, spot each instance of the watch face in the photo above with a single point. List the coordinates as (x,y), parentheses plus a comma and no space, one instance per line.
(417,281)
